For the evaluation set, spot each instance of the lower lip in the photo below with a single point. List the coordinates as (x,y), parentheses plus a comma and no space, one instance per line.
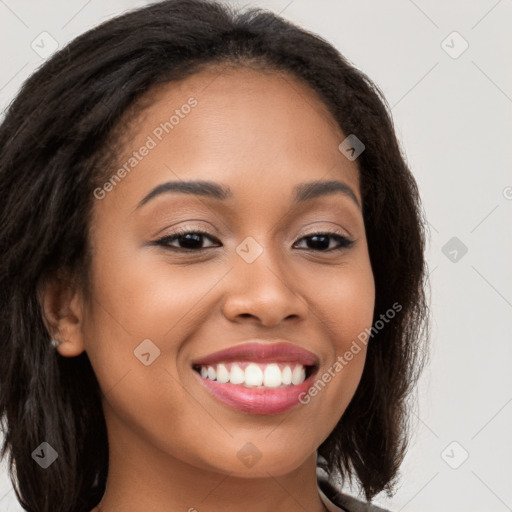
(254,400)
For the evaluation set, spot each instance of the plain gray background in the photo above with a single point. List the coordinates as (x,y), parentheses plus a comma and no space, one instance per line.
(452,109)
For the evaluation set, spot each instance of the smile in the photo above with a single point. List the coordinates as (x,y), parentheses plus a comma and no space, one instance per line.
(258,378)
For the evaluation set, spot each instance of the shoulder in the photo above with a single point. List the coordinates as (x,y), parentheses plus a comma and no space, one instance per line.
(344,501)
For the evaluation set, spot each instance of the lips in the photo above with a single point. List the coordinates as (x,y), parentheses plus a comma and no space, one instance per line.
(258,393)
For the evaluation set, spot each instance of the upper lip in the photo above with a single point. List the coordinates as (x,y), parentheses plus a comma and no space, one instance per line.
(263,352)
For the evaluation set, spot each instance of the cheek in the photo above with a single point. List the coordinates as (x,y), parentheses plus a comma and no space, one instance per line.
(345,301)
(137,298)
(141,291)
(344,305)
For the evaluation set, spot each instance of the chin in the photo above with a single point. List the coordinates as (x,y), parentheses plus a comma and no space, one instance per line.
(249,462)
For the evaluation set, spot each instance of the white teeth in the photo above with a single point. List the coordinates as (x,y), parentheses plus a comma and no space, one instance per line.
(222,373)
(237,375)
(212,374)
(253,375)
(298,375)
(272,375)
(287,375)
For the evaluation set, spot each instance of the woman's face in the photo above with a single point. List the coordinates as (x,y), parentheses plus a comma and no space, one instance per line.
(257,276)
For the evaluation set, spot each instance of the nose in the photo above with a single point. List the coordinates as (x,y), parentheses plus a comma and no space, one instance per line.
(264,291)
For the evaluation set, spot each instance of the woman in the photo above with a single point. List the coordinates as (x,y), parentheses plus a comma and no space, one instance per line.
(211,269)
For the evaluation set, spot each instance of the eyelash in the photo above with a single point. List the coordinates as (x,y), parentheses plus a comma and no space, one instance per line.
(344,242)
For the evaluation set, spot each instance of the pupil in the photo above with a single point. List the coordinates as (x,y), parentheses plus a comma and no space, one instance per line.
(191,241)
(313,240)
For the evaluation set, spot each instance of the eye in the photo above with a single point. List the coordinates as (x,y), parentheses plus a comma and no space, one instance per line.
(321,241)
(190,240)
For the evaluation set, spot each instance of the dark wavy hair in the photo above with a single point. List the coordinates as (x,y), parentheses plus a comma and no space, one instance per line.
(59,138)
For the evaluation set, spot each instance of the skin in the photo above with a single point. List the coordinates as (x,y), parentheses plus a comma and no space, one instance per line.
(172,445)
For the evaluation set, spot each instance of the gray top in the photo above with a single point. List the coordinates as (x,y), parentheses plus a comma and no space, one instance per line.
(335,501)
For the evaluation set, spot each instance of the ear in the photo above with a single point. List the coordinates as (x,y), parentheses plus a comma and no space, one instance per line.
(62,309)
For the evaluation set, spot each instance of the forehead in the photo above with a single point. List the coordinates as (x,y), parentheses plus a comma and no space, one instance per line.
(254,130)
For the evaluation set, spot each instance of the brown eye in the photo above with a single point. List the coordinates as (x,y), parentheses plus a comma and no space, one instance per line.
(321,241)
(190,240)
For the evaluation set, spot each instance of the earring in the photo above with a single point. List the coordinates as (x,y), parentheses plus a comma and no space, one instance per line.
(55,342)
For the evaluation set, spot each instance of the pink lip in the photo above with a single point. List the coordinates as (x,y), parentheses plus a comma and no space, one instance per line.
(257,400)
(254,400)
(281,352)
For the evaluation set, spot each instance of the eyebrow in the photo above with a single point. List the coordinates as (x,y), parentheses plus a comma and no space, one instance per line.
(302,192)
